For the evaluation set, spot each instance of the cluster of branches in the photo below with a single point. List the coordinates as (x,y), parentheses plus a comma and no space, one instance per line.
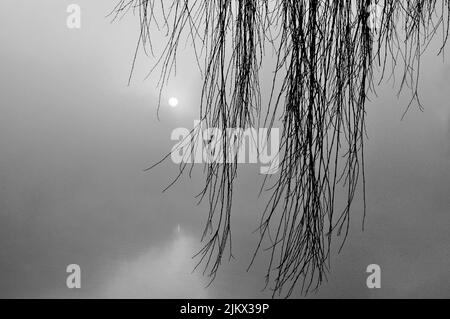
(328,60)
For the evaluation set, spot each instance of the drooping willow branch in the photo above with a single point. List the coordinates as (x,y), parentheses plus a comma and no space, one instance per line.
(329,57)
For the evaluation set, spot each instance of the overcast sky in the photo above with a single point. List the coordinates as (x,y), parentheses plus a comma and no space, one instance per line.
(74,140)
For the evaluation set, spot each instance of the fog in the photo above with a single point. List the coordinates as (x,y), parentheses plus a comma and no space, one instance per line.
(75,140)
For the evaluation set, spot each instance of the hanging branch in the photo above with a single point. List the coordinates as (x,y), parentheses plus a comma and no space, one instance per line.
(330,55)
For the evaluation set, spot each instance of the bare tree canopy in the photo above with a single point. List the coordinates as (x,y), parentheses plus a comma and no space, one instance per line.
(330,56)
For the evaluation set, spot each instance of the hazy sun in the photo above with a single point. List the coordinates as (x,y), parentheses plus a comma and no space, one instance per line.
(173,102)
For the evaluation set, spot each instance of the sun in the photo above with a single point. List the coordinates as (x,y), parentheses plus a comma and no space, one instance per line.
(173,102)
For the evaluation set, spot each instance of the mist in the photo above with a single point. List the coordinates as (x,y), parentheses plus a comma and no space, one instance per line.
(75,140)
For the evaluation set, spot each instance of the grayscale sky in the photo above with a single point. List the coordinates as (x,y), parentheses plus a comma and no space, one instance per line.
(74,140)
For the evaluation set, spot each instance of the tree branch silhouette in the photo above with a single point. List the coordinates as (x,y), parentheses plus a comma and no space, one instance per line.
(329,60)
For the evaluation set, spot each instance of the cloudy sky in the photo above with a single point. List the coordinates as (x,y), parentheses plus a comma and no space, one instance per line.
(74,140)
